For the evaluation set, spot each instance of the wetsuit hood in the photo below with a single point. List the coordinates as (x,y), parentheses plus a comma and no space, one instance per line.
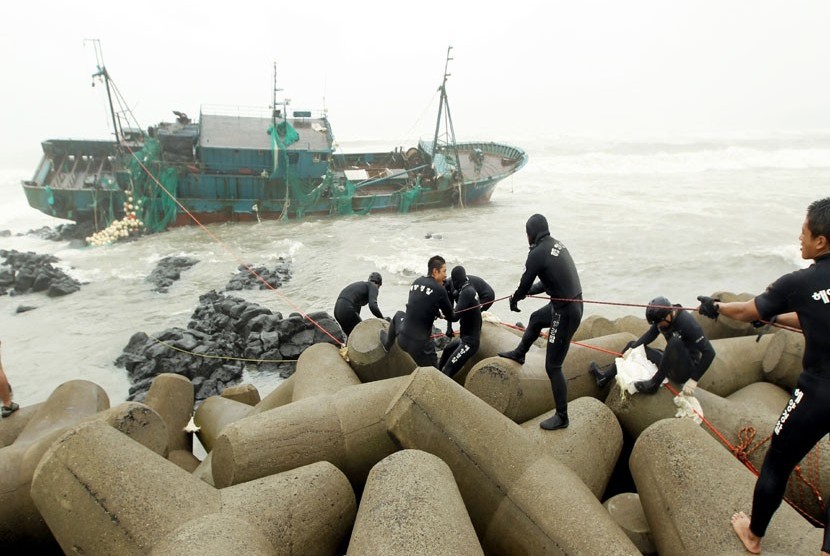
(459,277)
(658,309)
(536,228)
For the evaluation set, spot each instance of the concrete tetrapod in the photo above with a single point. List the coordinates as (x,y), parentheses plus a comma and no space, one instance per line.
(769,396)
(346,429)
(738,362)
(321,370)
(783,359)
(278,397)
(749,427)
(133,499)
(245,393)
(636,412)
(13,425)
(214,414)
(590,446)
(495,338)
(522,392)
(594,326)
(689,487)
(627,512)
(520,500)
(21,527)
(637,326)
(368,358)
(411,505)
(172,397)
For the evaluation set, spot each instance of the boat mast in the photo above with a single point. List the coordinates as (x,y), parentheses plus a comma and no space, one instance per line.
(274,101)
(445,105)
(443,89)
(102,73)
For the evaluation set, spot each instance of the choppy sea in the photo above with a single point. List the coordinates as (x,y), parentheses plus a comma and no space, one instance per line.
(679,218)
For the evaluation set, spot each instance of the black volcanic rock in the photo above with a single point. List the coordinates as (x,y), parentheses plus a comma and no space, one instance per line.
(168,270)
(224,333)
(29,272)
(245,280)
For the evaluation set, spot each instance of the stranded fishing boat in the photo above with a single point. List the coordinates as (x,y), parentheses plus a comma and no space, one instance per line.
(234,166)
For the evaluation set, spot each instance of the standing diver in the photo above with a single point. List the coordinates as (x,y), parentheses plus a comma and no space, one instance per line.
(800,299)
(468,312)
(353,297)
(687,356)
(551,262)
(413,329)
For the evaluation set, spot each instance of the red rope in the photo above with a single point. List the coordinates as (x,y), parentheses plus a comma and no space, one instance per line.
(741,451)
(693,309)
(480,304)
(234,255)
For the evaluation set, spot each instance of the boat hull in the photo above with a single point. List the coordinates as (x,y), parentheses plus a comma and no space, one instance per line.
(252,194)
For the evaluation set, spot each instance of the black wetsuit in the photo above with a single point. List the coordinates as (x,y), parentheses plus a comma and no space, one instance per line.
(486,294)
(806,417)
(468,312)
(413,329)
(351,299)
(688,352)
(550,261)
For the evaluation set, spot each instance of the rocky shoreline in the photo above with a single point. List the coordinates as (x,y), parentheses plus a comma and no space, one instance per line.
(29,272)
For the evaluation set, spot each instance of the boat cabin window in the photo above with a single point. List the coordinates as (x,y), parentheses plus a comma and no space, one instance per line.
(320,157)
(293,157)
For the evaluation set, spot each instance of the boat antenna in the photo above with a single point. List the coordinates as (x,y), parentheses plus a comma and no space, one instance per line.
(444,105)
(274,101)
(103,75)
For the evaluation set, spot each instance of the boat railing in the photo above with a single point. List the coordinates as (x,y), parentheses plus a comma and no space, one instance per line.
(499,149)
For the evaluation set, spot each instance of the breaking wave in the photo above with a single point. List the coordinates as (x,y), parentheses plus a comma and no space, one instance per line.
(593,157)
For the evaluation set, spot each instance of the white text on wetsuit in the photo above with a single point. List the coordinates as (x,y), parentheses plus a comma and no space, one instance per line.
(797,395)
(823,295)
(556,249)
(424,289)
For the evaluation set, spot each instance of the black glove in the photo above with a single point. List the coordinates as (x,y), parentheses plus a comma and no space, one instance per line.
(763,326)
(707,307)
(514,304)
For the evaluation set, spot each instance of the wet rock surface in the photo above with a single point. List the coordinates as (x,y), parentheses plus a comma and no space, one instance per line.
(168,270)
(244,279)
(224,334)
(30,272)
(65,232)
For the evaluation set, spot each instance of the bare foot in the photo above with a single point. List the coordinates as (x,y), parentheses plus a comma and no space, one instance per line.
(740,523)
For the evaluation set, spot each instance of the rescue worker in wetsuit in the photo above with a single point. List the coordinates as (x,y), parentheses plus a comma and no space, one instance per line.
(688,352)
(353,297)
(551,262)
(800,299)
(413,329)
(486,294)
(468,312)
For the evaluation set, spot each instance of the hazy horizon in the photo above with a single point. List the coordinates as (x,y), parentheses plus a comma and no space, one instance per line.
(523,70)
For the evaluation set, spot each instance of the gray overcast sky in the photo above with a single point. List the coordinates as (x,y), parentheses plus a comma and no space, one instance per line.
(521,70)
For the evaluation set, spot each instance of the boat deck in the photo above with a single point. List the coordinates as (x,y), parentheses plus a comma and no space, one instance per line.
(247,132)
